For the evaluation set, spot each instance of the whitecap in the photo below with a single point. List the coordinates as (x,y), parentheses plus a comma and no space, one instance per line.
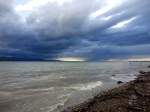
(62,77)
(87,86)
(124,78)
(64,96)
(40,89)
(54,108)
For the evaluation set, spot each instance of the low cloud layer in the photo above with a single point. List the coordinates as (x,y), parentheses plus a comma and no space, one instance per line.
(90,29)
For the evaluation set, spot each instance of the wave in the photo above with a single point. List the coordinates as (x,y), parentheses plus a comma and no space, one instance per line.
(55,107)
(123,77)
(39,89)
(87,86)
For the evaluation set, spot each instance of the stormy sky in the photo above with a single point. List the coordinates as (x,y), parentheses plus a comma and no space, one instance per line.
(87,29)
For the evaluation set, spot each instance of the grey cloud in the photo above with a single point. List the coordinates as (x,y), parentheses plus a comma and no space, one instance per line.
(58,20)
(55,31)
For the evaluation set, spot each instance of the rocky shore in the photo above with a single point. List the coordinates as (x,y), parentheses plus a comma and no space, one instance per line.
(130,97)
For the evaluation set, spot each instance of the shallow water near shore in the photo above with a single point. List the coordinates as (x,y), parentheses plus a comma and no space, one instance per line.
(52,86)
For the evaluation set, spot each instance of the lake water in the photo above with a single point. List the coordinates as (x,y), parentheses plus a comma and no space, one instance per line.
(53,86)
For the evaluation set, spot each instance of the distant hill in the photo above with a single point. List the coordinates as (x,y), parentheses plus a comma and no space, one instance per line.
(19,59)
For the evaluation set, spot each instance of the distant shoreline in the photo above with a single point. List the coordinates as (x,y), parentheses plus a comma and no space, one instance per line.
(62,61)
(133,96)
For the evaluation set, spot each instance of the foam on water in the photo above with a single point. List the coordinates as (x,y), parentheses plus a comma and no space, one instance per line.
(88,86)
(41,89)
(123,77)
(64,96)
(54,108)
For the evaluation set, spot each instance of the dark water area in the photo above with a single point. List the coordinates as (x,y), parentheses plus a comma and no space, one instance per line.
(52,86)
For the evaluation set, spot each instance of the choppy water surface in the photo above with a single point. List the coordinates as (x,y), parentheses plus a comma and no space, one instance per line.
(52,86)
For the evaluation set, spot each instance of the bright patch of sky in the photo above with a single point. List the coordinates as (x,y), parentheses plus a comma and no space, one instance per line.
(70,59)
(108,5)
(25,7)
(20,1)
(30,5)
(123,23)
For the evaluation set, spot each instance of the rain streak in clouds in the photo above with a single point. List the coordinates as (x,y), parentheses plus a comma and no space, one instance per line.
(88,29)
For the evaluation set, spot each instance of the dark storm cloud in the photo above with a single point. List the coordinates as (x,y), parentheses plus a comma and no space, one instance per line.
(54,30)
